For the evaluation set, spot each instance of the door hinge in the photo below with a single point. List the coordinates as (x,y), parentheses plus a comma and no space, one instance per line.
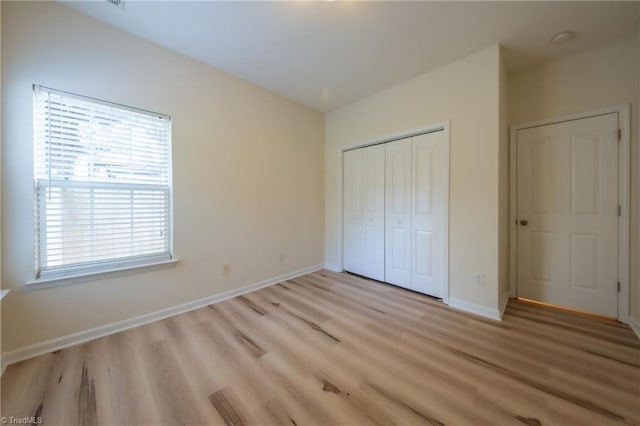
(619,210)
(618,286)
(619,135)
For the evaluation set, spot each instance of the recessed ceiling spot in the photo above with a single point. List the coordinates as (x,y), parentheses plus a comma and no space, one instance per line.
(563,37)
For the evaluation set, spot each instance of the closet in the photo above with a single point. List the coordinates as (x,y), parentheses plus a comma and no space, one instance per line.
(395,212)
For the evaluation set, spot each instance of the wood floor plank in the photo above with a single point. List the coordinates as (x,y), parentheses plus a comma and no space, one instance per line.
(336,349)
(535,347)
(486,347)
(224,407)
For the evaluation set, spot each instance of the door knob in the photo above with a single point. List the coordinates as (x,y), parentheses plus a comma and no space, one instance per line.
(524,222)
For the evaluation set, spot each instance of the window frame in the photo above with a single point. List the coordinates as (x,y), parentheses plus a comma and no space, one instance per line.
(85,271)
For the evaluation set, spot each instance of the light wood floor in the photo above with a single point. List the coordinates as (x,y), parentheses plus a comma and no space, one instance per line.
(334,349)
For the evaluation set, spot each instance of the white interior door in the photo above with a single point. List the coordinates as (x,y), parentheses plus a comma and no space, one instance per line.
(398,212)
(567,204)
(429,210)
(373,160)
(352,211)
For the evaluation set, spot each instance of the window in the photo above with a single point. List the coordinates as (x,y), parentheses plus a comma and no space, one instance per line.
(102,180)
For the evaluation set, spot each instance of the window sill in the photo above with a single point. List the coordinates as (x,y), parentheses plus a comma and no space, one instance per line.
(40,283)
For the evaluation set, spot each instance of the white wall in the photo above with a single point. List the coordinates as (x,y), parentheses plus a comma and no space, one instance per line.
(466,93)
(503,185)
(247,170)
(589,80)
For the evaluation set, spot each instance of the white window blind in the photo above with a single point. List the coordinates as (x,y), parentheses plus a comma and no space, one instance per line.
(102,185)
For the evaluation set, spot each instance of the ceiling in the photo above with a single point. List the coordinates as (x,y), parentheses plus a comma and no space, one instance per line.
(328,54)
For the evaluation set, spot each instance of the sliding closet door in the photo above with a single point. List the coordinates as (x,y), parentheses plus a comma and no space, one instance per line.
(429,209)
(398,212)
(373,211)
(395,211)
(352,212)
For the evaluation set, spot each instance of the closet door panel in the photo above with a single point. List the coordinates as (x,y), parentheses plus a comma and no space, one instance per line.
(428,212)
(398,213)
(373,164)
(352,212)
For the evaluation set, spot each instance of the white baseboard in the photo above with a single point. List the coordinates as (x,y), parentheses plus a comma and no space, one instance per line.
(333,268)
(503,302)
(104,330)
(635,325)
(474,308)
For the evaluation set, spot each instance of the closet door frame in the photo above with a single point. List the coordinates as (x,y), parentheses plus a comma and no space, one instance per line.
(434,127)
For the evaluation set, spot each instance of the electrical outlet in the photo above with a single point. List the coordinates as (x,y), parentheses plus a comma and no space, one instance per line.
(283,257)
(478,278)
(226,269)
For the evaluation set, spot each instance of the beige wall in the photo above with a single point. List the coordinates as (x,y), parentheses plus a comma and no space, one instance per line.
(247,170)
(585,81)
(503,185)
(466,93)
(635,273)
(592,79)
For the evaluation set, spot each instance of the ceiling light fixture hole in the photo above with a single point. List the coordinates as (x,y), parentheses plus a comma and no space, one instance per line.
(563,37)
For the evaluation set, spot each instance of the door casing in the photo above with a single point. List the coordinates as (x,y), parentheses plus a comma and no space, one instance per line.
(623,197)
